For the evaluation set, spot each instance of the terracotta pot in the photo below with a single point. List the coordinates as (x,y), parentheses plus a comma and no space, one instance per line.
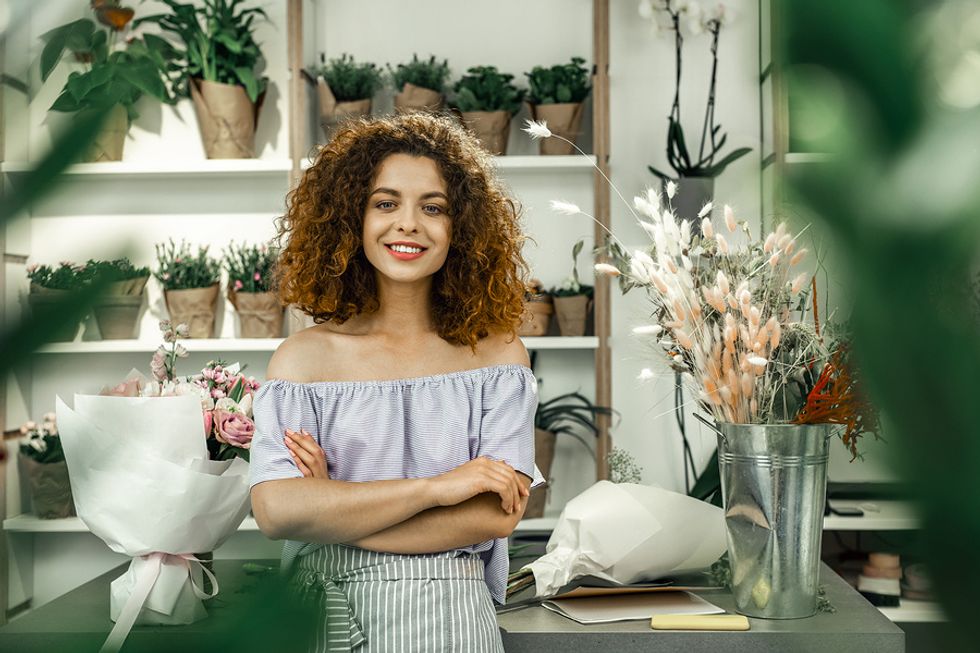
(226,119)
(418,98)
(332,112)
(491,127)
(573,313)
(44,303)
(564,120)
(544,455)
(108,143)
(537,316)
(260,313)
(194,307)
(50,488)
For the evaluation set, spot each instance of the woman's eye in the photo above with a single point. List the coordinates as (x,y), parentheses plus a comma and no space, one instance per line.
(433,208)
(386,204)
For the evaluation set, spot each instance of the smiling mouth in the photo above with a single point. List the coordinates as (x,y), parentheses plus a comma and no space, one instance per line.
(405,249)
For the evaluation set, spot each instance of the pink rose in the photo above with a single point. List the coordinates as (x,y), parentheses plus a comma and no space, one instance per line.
(238,284)
(233,428)
(208,423)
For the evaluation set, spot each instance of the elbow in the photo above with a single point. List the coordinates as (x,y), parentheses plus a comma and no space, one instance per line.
(264,517)
(508,523)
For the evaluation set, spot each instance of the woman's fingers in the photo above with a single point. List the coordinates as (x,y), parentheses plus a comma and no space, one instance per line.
(306,453)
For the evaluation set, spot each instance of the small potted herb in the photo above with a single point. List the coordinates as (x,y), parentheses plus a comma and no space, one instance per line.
(249,270)
(573,300)
(345,89)
(49,287)
(218,68)
(569,414)
(420,84)
(538,309)
(117,311)
(119,70)
(42,463)
(487,99)
(556,97)
(190,285)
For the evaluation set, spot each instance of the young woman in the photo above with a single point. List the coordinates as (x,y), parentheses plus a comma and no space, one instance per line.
(394,445)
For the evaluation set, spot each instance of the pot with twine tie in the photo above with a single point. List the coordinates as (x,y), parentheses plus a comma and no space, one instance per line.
(195,307)
(418,98)
(260,314)
(563,119)
(538,309)
(111,137)
(190,286)
(332,112)
(492,128)
(226,118)
(556,97)
(419,84)
(486,99)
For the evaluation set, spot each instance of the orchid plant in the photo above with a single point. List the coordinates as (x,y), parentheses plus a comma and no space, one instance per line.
(723,305)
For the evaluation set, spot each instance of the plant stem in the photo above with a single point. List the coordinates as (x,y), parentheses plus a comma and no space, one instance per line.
(707,129)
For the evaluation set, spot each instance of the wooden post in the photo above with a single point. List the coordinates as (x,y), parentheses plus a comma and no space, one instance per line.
(297,93)
(600,140)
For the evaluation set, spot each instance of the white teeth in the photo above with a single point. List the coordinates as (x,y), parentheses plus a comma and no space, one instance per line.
(405,249)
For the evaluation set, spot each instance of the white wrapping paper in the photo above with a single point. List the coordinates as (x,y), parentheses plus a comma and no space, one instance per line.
(142,482)
(626,533)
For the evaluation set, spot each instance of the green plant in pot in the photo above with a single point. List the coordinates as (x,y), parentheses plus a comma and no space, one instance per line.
(190,286)
(570,414)
(117,311)
(42,463)
(49,288)
(118,70)
(556,96)
(487,99)
(345,89)
(573,300)
(250,291)
(420,84)
(218,63)
(694,173)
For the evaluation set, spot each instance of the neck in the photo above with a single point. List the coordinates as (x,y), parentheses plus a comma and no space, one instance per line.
(405,308)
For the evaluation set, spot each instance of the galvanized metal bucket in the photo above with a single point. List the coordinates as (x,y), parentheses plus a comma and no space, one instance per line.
(774,481)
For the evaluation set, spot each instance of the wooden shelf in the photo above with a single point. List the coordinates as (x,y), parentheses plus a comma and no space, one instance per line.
(532,162)
(259,344)
(912,611)
(891,516)
(149,169)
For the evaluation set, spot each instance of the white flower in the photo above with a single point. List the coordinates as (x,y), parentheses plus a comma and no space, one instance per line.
(566,208)
(245,405)
(671,189)
(646,374)
(707,229)
(605,268)
(799,256)
(226,403)
(730,219)
(705,210)
(38,444)
(798,282)
(757,361)
(644,206)
(722,244)
(537,129)
(648,330)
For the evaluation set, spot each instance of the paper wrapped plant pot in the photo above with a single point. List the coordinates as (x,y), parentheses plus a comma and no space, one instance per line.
(573,314)
(418,98)
(194,307)
(332,112)
(109,141)
(50,488)
(563,119)
(44,304)
(260,313)
(226,119)
(492,128)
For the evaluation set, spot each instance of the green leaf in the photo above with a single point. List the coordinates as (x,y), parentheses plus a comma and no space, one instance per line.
(237,390)
(663,177)
(145,77)
(719,167)
(229,42)
(247,78)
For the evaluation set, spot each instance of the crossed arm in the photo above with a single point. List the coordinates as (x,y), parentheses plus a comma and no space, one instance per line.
(475,502)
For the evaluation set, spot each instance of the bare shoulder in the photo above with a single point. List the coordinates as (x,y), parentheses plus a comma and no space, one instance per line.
(503,349)
(302,357)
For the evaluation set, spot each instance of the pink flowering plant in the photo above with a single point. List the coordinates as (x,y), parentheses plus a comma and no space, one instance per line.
(249,267)
(179,269)
(40,442)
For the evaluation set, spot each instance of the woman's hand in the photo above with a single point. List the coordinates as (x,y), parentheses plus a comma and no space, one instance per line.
(476,477)
(307,454)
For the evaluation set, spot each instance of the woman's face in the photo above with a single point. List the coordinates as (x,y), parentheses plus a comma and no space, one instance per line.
(406,222)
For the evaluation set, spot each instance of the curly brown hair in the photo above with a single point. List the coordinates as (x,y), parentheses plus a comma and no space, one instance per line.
(323,270)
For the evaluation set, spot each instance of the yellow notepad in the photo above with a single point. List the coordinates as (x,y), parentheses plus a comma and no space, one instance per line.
(699,622)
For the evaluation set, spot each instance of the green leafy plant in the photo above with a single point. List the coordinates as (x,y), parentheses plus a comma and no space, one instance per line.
(428,74)
(484,88)
(572,286)
(561,83)
(119,69)
(179,270)
(120,269)
(218,44)
(571,414)
(347,79)
(250,267)
(67,276)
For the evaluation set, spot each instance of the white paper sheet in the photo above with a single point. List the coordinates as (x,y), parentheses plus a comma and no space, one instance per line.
(630,607)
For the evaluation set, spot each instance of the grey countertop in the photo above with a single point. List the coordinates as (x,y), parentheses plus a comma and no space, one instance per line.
(79,621)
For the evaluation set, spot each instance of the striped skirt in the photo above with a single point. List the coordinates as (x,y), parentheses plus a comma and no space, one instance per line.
(388,603)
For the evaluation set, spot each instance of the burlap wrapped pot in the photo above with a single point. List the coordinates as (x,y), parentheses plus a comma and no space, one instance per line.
(572,313)
(537,316)
(226,119)
(259,313)
(332,112)
(492,128)
(50,488)
(194,307)
(418,98)
(117,312)
(109,141)
(563,119)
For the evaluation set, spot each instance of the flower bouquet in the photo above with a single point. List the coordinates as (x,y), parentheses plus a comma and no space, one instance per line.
(42,462)
(144,482)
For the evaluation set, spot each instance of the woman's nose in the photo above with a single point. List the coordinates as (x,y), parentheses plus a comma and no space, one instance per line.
(407,221)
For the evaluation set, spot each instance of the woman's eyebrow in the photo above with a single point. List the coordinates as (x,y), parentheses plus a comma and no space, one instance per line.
(425,196)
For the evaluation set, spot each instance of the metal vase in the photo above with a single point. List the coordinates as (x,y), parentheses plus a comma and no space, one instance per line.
(774,481)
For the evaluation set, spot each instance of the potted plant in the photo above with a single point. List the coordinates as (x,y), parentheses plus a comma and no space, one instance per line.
(420,84)
(49,287)
(119,70)
(556,97)
(250,290)
(487,99)
(573,300)
(569,414)
(190,286)
(42,463)
(345,89)
(694,174)
(217,68)
(538,309)
(117,311)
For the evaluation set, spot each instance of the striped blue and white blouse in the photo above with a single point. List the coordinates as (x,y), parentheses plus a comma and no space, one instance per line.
(403,428)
